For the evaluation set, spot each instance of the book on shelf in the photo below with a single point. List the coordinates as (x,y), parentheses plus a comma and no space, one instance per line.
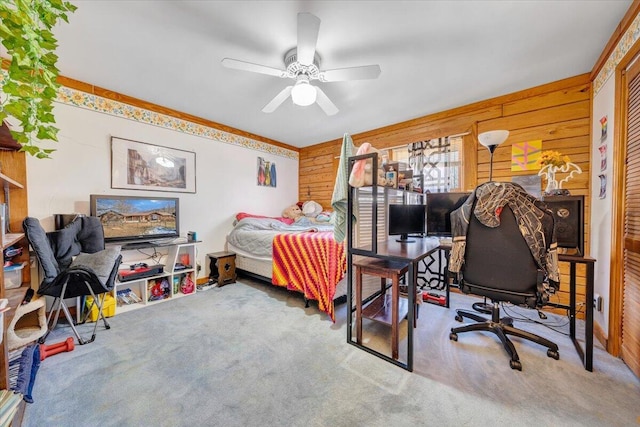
(127,297)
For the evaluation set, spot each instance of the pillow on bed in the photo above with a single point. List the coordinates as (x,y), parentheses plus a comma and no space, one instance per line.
(243,215)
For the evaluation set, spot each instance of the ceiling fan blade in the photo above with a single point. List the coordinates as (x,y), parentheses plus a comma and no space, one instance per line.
(308,28)
(325,103)
(254,68)
(279,99)
(363,72)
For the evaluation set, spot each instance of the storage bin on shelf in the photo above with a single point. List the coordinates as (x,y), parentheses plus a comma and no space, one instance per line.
(187,285)
(108,307)
(13,276)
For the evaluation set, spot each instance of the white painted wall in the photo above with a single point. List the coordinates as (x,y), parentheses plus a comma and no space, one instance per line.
(600,232)
(225,175)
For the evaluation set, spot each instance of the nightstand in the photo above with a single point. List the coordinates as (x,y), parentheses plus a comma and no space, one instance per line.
(222,268)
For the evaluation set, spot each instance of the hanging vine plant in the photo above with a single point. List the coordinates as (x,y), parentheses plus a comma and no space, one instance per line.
(29,84)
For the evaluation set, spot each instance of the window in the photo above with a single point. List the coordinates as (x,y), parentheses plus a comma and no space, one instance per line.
(439,160)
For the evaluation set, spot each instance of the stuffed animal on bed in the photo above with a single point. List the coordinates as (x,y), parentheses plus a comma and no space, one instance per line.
(311,209)
(293,212)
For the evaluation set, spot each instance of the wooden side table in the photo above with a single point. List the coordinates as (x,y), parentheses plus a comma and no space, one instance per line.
(222,267)
(378,309)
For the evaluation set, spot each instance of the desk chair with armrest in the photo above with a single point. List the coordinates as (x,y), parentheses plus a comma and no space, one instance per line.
(499,263)
(74,263)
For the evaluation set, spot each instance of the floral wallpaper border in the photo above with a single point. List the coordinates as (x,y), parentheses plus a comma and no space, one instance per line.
(628,39)
(99,104)
(119,109)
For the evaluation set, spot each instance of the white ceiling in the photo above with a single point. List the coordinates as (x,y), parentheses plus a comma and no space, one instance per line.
(434,55)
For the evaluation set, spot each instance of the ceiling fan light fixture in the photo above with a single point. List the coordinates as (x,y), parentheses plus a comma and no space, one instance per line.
(303,93)
(303,64)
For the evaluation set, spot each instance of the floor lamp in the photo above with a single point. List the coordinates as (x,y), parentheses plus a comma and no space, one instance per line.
(491,140)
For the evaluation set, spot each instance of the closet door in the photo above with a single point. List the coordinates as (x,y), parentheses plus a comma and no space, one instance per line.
(630,347)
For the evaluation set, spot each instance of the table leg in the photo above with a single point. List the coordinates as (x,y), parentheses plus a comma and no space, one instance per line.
(447,279)
(395,298)
(588,330)
(411,290)
(358,305)
(572,301)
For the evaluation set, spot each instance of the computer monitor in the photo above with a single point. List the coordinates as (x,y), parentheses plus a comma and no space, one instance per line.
(405,220)
(439,208)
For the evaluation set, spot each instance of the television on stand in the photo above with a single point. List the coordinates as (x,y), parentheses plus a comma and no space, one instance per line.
(406,220)
(439,208)
(137,220)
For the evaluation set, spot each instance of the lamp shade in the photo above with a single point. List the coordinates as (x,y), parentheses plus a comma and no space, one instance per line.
(493,138)
(303,93)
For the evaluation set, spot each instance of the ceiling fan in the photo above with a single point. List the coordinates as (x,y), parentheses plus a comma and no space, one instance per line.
(303,64)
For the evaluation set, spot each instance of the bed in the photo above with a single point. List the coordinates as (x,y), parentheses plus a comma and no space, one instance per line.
(302,257)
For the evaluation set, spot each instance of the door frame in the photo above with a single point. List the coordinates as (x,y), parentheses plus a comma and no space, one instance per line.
(616,285)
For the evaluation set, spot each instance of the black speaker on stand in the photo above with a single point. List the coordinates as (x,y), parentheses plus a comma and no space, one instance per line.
(568,215)
(60,221)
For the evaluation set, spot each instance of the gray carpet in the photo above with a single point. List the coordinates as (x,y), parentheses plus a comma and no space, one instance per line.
(249,354)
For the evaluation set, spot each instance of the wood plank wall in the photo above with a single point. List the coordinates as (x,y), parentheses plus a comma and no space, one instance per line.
(558,113)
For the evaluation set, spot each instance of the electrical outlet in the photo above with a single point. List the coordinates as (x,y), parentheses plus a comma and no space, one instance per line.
(597,302)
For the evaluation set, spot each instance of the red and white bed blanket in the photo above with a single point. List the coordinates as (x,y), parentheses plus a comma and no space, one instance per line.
(311,263)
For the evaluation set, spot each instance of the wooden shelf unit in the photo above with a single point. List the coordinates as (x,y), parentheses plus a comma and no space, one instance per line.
(10,183)
(13,179)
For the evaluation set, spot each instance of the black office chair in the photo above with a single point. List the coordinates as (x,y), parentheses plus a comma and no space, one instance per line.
(75,263)
(499,264)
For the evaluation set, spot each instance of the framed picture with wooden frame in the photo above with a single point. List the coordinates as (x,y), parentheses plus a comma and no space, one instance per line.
(141,166)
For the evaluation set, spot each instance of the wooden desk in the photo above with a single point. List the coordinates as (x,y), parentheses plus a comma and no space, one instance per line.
(392,250)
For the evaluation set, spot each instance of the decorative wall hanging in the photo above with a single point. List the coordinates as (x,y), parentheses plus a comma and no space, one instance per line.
(267,176)
(531,184)
(524,155)
(603,186)
(141,166)
(603,128)
(603,157)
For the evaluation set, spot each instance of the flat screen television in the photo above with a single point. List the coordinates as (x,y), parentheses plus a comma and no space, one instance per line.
(137,219)
(404,220)
(439,208)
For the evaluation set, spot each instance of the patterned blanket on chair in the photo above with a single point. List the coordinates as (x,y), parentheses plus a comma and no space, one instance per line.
(311,263)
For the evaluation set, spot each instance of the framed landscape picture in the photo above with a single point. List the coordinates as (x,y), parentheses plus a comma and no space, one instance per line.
(142,166)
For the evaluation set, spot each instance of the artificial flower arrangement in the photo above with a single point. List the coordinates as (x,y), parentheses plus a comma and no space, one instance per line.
(554,158)
(550,163)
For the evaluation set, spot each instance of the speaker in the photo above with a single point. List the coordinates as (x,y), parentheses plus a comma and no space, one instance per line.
(568,215)
(60,221)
